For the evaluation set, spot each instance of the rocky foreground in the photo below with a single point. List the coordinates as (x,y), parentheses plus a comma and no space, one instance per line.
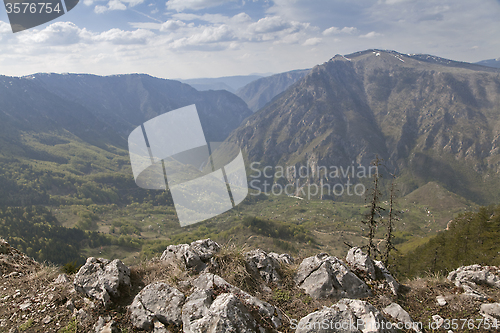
(201,287)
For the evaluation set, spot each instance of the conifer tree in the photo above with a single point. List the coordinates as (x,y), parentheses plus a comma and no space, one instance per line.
(392,218)
(375,209)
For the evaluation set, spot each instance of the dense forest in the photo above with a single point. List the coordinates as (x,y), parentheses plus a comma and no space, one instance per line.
(471,238)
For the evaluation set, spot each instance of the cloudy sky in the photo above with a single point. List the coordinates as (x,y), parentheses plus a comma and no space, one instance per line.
(211,38)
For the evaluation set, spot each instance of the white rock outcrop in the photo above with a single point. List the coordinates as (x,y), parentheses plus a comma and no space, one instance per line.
(102,278)
(156,301)
(191,256)
(323,276)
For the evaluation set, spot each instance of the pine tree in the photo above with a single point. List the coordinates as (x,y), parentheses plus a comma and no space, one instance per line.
(392,218)
(375,209)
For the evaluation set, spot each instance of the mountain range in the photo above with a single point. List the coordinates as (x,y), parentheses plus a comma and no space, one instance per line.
(429,118)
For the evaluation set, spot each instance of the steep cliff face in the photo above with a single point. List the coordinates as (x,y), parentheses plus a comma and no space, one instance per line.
(429,118)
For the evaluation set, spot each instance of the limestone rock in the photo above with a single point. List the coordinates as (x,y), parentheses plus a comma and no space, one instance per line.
(226,313)
(284,258)
(474,275)
(323,276)
(264,265)
(208,282)
(369,319)
(468,277)
(491,311)
(156,301)
(361,261)
(193,256)
(347,315)
(61,278)
(102,278)
(400,315)
(389,279)
(325,321)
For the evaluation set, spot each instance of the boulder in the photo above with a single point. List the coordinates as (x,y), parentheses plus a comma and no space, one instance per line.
(156,301)
(325,321)
(368,318)
(491,311)
(474,275)
(361,261)
(192,256)
(347,315)
(102,278)
(210,282)
(203,313)
(105,325)
(284,258)
(468,277)
(323,276)
(389,279)
(264,265)
(400,315)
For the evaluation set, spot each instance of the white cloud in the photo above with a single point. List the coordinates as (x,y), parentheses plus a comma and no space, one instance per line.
(4,27)
(335,31)
(59,33)
(209,35)
(145,25)
(269,24)
(121,37)
(312,41)
(180,5)
(371,34)
(100,9)
(115,5)
(172,25)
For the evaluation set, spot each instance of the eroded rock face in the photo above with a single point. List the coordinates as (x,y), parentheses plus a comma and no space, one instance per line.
(208,282)
(264,265)
(203,313)
(323,276)
(156,301)
(102,278)
(193,256)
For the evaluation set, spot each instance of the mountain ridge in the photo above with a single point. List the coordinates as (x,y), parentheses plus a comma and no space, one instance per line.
(413,111)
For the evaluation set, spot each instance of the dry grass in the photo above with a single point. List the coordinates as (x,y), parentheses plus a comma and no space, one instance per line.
(229,263)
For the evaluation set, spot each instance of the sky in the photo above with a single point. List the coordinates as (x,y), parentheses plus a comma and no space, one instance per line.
(213,38)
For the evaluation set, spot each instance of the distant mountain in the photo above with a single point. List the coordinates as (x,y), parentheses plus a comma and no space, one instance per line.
(126,101)
(63,138)
(229,83)
(490,63)
(429,118)
(260,92)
